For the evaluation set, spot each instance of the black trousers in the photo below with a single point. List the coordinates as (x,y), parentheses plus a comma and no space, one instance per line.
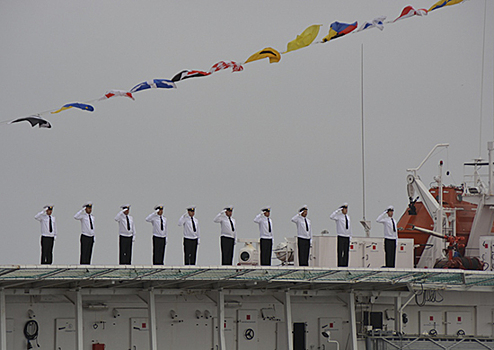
(47,249)
(190,251)
(303,245)
(343,249)
(159,244)
(86,249)
(266,251)
(390,249)
(125,250)
(227,244)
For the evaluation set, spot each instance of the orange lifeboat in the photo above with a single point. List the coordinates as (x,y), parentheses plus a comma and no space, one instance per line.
(417,215)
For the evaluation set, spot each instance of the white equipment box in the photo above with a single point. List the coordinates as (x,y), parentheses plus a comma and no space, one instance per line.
(363,252)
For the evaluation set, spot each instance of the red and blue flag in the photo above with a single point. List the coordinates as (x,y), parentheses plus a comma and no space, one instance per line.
(338,29)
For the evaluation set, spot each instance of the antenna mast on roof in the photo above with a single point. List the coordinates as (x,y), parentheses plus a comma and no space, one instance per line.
(364,222)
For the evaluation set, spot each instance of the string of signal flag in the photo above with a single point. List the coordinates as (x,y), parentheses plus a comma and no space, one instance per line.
(306,38)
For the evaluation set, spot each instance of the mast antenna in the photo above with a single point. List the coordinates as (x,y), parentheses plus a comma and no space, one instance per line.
(482,81)
(364,222)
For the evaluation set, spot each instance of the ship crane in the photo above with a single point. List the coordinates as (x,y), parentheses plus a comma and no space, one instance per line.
(454,243)
(476,192)
(434,208)
(454,259)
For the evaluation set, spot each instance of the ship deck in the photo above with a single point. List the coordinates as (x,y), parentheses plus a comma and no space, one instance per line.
(15,277)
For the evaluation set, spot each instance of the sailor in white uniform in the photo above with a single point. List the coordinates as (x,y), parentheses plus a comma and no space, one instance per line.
(304,235)
(127,232)
(266,235)
(160,229)
(48,233)
(228,234)
(87,232)
(344,232)
(192,235)
(390,235)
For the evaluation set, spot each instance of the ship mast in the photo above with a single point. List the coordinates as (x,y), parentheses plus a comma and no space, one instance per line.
(482,81)
(363,222)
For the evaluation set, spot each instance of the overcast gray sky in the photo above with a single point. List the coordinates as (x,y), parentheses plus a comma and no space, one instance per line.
(283,134)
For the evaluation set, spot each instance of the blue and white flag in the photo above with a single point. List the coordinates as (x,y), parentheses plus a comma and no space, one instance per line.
(377,22)
(154,84)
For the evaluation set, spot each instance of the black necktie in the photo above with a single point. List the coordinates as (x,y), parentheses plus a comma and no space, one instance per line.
(306,225)
(269,225)
(394,227)
(346,221)
(193,224)
(231,223)
(161,218)
(51,226)
(90,221)
(128,223)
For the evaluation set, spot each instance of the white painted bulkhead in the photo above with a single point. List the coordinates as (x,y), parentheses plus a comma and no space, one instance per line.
(120,321)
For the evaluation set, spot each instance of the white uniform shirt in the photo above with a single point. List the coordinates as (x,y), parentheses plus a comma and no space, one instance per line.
(388,223)
(226,226)
(45,224)
(264,224)
(121,218)
(302,230)
(341,229)
(186,222)
(155,220)
(83,217)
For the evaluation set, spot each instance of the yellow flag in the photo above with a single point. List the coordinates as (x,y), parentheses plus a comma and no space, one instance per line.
(61,109)
(304,39)
(274,56)
(442,3)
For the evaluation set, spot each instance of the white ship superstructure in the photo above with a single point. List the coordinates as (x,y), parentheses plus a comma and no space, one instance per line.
(148,307)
